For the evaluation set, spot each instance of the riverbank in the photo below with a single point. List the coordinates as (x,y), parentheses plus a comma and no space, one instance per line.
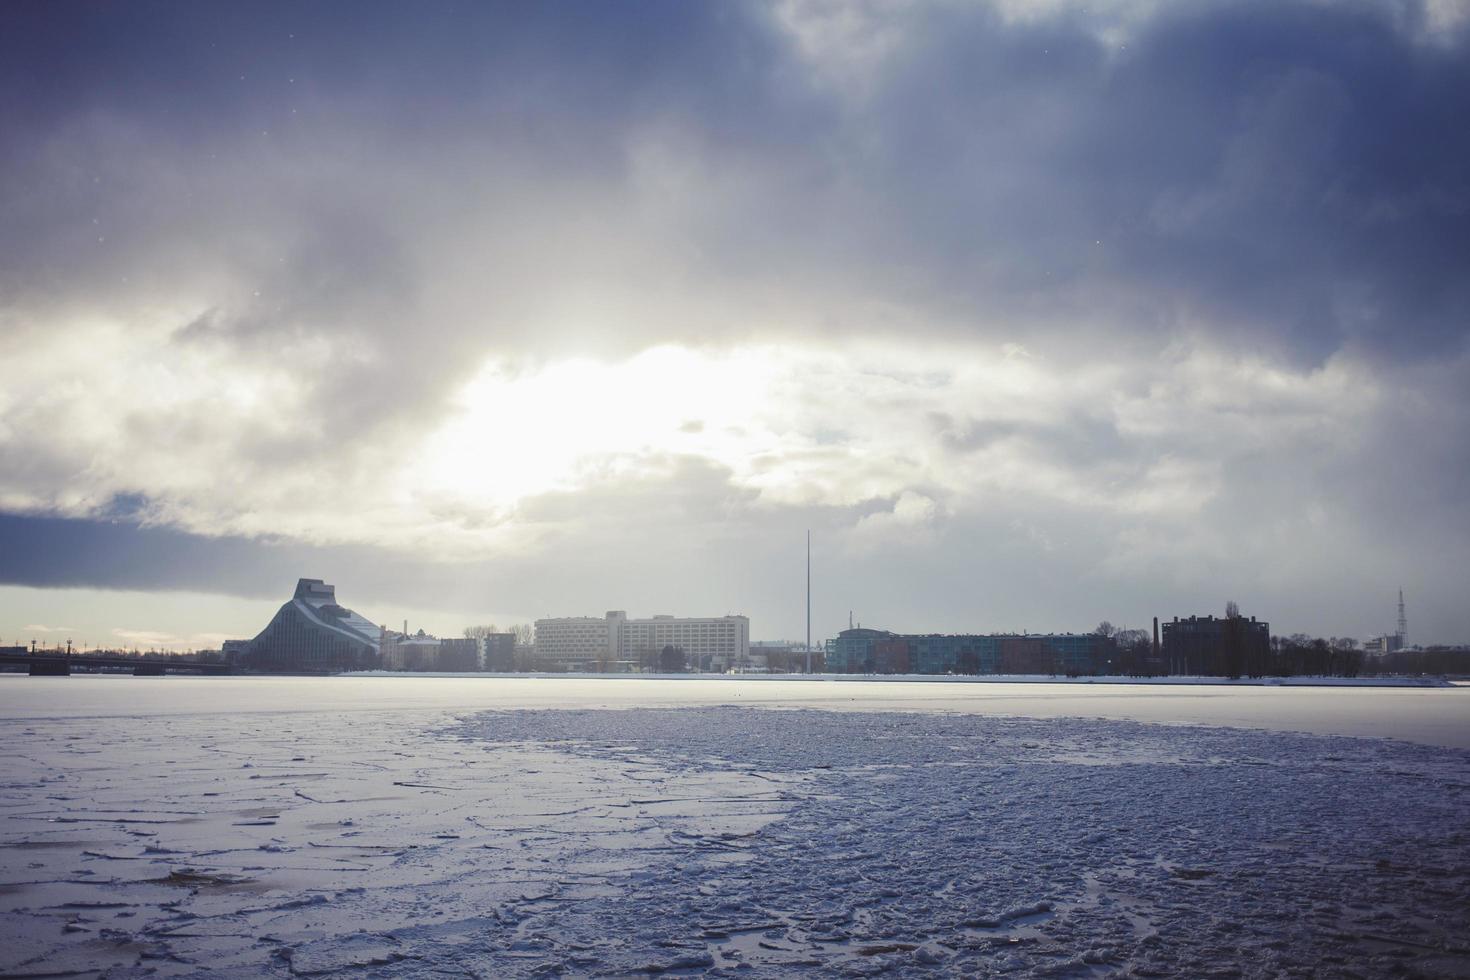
(1304,681)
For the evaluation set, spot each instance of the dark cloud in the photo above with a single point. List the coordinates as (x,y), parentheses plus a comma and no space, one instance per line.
(1290,174)
(118,554)
(125,555)
(1293,174)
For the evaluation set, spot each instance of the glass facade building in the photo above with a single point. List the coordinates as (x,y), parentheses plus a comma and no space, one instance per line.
(870,651)
(313,634)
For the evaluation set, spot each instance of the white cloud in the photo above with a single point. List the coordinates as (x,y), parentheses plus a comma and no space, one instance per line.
(208,442)
(909,524)
(163,640)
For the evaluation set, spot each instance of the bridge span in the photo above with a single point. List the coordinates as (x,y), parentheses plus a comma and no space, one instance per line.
(61,665)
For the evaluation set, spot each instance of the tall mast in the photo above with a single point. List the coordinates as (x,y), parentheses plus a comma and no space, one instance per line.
(808,601)
(1403,622)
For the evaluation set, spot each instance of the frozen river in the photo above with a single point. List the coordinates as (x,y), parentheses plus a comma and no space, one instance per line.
(509,827)
(1434,716)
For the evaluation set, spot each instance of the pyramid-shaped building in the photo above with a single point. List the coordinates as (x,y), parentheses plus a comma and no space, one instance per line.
(313,634)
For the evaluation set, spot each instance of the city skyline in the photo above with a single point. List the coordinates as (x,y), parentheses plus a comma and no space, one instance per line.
(48,636)
(1035,313)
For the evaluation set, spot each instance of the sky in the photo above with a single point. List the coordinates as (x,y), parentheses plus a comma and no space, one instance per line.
(1034,313)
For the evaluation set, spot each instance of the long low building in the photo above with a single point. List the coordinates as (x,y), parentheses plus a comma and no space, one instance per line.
(873,651)
(615,642)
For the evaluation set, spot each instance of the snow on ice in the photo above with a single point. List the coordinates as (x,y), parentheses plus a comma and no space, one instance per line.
(723,841)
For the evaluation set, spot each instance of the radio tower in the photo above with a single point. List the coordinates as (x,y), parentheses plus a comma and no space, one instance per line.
(808,601)
(1403,623)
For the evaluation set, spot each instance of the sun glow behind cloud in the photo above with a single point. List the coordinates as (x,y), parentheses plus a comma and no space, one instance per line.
(513,434)
(796,426)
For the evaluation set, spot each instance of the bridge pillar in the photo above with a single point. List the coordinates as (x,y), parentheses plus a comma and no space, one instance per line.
(148,670)
(51,668)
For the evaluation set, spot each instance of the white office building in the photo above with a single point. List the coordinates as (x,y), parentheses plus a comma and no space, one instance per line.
(617,642)
(574,643)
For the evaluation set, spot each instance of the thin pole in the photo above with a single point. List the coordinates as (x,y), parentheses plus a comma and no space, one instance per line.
(808,601)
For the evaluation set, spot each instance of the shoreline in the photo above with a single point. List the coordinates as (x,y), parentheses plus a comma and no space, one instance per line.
(1109,679)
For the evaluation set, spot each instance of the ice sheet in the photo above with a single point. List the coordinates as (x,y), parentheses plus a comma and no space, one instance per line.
(1436,716)
(714,840)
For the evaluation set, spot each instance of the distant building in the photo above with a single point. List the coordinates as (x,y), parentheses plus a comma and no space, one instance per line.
(499,653)
(1082,653)
(958,653)
(458,654)
(404,651)
(713,643)
(1229,647)
(853,651)
(1026,654)
(783,657)
(870,651)
(574,643)
(617,642)
(424,652)
(313,633)
(1380,645)
(234,651)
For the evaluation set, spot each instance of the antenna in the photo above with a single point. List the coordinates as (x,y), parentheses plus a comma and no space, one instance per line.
(808,601)
(1403,623)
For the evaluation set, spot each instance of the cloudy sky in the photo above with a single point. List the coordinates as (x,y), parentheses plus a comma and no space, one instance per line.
(1035,313)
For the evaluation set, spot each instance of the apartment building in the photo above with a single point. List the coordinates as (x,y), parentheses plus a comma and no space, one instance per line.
(617,642)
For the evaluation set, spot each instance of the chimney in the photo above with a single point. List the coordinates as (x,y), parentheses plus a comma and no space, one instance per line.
(1156,636)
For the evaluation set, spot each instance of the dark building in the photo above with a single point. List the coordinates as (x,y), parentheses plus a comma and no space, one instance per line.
(313,633)
(1081,653)
(500,652)
(1229,647)
(458,654)
(235,651)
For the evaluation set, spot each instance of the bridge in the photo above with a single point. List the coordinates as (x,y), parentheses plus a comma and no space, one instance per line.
(61,665)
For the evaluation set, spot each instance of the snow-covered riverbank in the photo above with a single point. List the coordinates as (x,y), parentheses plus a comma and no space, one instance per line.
(593,842)
(1434,716)
(1184,681)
